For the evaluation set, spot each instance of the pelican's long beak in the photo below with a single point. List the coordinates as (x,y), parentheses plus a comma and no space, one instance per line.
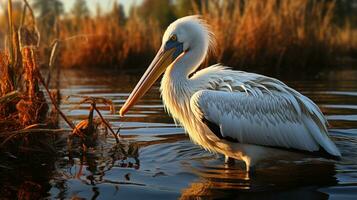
(157,67)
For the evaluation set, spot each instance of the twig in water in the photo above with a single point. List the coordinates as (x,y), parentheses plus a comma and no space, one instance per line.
(42,81)
(94,101)
(107,124)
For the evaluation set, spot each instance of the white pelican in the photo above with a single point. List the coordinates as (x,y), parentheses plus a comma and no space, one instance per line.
(242,115)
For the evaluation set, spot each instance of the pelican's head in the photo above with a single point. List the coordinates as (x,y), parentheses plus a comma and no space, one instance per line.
(187,34)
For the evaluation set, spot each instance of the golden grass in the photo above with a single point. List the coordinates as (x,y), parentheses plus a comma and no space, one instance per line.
(268,36)
(107,43)
(6,84)
(275,35)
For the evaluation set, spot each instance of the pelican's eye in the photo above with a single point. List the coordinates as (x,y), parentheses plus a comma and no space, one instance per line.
(173,38)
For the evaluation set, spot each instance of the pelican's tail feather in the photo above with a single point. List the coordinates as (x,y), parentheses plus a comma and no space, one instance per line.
(322,139)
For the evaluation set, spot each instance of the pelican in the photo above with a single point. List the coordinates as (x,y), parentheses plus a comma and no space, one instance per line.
(244,116)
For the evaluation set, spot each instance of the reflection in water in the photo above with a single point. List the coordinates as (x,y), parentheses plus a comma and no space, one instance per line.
(90,168)
(26,175)
(235,183)
(157,161)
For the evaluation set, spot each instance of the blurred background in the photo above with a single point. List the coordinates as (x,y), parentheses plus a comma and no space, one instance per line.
(271,37)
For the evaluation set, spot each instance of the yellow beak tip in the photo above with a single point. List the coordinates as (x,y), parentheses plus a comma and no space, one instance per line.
(121,113)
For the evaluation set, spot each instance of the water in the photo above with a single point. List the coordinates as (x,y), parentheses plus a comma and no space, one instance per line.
(156,159)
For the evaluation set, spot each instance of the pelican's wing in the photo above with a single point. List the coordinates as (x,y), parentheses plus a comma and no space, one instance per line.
(264,117)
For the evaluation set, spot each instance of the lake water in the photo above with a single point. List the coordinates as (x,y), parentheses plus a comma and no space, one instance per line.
(157,160)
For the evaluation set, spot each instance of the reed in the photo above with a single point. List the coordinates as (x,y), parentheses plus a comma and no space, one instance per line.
(275,36)
(23,105)
(109,44)
(269,36)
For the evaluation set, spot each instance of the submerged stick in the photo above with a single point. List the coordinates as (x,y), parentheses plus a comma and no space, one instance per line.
(107,124)
(42,81)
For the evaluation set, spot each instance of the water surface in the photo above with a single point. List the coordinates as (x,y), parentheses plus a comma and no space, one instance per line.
(157,160)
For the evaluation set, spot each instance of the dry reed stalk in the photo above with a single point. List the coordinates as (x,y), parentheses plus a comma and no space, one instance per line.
(9,97)
(30,66)
(11,31)
(6,84)
(33,108)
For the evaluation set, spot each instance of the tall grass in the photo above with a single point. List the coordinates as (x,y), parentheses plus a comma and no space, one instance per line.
(270,36)
(274,35)
(106,43)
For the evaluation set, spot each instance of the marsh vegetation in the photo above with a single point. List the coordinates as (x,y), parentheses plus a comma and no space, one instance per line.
(270,36)
(64,72)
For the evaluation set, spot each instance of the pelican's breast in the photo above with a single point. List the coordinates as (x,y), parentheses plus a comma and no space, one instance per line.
(177,96)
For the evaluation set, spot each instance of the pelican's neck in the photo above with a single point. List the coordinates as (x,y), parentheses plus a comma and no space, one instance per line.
(178,73)
(176,86)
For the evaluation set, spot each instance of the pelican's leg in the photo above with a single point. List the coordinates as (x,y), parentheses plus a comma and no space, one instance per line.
(228,161)
(248,165)
(251,170)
